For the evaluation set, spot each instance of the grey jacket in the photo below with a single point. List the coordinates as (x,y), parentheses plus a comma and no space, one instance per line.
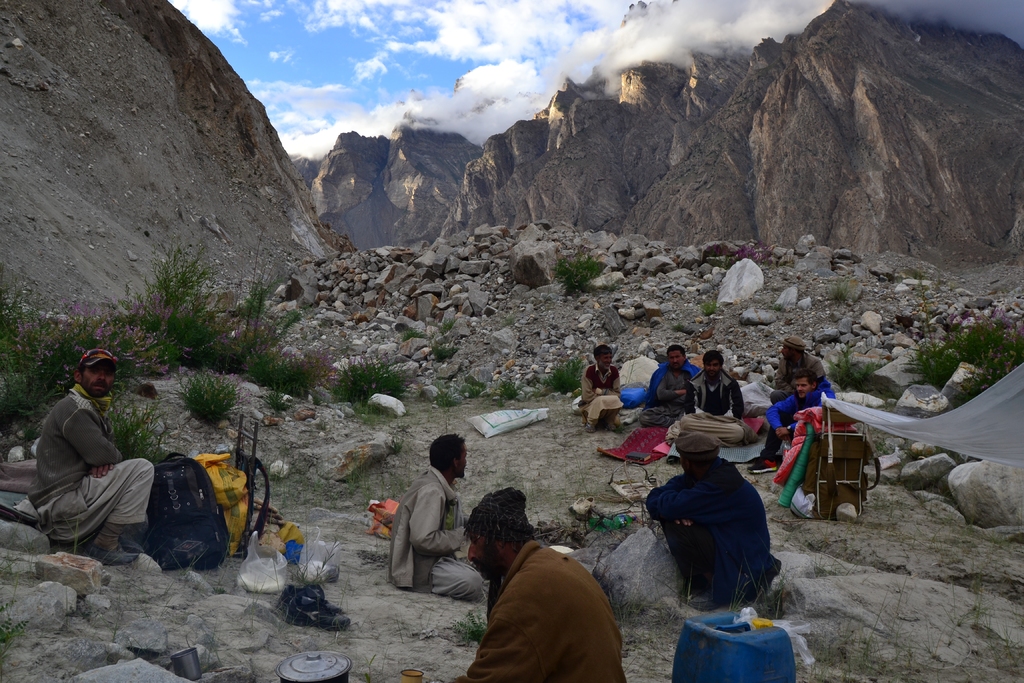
(418,537)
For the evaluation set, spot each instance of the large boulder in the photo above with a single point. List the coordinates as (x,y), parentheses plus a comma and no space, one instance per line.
(757,316)
(741,282)
(45,607)
(352,455)
(533,263)
(640,571)
(83,574)
(135,671)
(613,324)
(896,376)
(788,298)
(22,537)
(921,400)
(921,474)
(954,387)
(989,494)
(637,372)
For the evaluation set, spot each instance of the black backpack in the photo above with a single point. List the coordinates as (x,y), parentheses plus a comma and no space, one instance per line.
(187,529)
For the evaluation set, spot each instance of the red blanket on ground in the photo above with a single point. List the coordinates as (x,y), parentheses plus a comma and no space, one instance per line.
(643,440)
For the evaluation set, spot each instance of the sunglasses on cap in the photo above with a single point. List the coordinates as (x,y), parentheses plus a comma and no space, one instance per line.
(94,356)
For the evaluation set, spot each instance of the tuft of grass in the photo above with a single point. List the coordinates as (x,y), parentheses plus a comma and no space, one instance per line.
(289,374)
(679,327)
(575,274)
(365,377)
(994,346)
(413,334)
(840,290)
(208,396)
(709,307)
(565,377)
(446,398)
(134,431)
(470,629)
(9,632)
(844,373)
(507,390)
(443,351)
(473,388)
(447,326)
(276,401)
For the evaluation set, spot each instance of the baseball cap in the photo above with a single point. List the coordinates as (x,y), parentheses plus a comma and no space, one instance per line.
(94,356)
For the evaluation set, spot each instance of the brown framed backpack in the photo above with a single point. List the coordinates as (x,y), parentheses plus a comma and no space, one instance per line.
(835,467)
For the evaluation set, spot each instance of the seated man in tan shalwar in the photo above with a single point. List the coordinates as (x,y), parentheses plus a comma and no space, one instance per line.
(83,484)
(719,396)
(600,402)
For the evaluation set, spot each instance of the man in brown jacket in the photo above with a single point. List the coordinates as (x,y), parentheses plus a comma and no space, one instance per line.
(427,530)
(792,357)
(83,485)
(548,620)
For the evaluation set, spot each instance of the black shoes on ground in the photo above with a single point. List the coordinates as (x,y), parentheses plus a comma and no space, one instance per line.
(117,556)
(308,606)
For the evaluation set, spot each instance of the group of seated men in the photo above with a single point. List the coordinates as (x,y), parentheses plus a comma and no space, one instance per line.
(687,399)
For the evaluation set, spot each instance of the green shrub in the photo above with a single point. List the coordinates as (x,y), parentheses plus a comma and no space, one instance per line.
(565,377)
(507,390)
(208,396)
(471,629)
(447,326)
(413,334)
(994,346)
(473,388)
(575,274)
(12,307)
(19,396)
(289,374)
(443,351)
(275,401)
(134,431)
(709,307)
(844,373)
(365,377)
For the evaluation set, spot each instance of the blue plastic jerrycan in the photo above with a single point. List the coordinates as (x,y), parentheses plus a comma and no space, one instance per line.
(712,649)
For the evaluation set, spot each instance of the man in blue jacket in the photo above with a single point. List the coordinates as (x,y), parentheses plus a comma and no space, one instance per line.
(715,525)
(780,417)
(669,394)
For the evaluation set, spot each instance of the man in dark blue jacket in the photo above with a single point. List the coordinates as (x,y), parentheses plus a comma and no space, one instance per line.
(780,417)
(715,525)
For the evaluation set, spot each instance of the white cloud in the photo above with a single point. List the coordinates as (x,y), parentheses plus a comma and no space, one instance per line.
(286,55)
(370,68)
(272,14)
(213,16)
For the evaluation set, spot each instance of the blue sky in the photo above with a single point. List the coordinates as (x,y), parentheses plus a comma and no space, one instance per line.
(324,67)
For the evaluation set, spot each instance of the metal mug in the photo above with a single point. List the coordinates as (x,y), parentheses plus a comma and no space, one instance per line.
(412,676)
(186,664)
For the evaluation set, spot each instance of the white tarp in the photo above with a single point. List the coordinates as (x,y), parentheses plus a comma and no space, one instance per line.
(985,427)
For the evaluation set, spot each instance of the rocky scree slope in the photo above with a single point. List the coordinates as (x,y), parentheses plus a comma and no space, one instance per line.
(491,294)
(865,130)
(123,130)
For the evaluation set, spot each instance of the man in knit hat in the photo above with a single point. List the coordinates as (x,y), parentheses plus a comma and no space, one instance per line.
(547,618)
(715,525)
(83,484)
(792,357)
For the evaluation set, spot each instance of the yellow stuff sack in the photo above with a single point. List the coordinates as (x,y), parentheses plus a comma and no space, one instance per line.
(229,486)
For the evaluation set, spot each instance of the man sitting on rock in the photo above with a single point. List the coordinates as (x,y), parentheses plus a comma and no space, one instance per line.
(793,357)
(83,484)
(600,402)
(547,617)
(670,395)
(780,417)
(715,525)
(427,530)
(719,396)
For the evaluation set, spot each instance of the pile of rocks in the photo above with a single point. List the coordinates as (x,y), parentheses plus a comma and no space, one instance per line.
(491,297)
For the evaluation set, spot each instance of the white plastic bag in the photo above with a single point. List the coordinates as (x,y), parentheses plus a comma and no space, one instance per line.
(264,570)
(794,629)
(504,421)
(756,399)
(319,561)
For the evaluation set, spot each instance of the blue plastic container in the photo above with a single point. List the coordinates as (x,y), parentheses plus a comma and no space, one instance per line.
(706,654)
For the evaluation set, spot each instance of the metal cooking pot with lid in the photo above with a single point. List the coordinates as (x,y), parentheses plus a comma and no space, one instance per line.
(322,667)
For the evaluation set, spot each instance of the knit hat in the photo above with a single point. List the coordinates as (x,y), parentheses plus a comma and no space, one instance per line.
(795,343)
(501,516)
(697,447)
